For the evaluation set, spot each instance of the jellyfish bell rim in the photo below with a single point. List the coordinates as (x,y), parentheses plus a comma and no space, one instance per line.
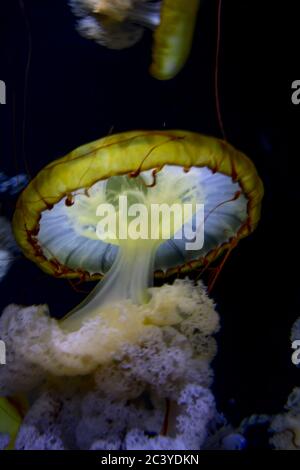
(129,153)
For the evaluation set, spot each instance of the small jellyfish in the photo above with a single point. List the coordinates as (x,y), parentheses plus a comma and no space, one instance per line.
(12,185)
(8,247)
(118,24)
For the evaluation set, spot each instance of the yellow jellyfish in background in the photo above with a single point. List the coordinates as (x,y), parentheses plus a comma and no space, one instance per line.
(12,411)
(56,217)
(118,24)
(173,38)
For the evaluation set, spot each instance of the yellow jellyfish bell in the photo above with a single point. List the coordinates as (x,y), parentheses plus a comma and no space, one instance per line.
(56,221)
(173,37)
(55,217)
(119,24)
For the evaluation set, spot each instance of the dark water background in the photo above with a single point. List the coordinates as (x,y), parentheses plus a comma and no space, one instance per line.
(76,92)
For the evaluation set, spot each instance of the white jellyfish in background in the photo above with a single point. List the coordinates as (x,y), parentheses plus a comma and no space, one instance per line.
(8,247)
(118,24)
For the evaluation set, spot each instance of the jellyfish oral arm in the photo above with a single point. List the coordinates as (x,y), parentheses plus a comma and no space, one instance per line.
(129,278)
(132,271)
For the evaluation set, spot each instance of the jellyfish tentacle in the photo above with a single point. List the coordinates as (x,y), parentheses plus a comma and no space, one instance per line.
(218,269)
(217,74)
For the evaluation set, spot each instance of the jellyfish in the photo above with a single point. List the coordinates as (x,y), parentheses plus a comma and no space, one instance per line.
(12,185)
(9,186)
(119,24)
(131,354)
(55,221)
(8,247)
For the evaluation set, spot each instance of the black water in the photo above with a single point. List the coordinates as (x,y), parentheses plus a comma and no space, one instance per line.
(77,91)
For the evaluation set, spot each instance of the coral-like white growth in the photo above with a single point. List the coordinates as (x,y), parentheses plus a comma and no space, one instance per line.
(34,337)
(19,374)
(94,396)
(81,419)
(115,24)
(286,426)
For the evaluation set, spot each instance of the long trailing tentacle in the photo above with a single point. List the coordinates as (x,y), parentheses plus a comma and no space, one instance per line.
(217,74)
